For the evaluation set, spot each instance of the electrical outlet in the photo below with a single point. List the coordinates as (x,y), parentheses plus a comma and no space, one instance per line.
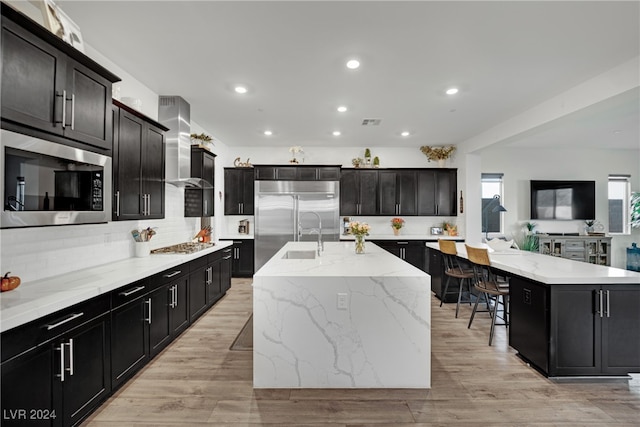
(342,301)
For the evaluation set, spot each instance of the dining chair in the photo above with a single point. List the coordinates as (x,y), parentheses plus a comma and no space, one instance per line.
(489,286)
(453,269)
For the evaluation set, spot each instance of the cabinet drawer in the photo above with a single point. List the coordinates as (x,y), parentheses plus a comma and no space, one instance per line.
(168,276)
(126,294)
(573,245)
(25,337)
(574,255)
(199,263)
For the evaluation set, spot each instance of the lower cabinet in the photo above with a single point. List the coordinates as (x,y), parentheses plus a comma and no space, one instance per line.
(58,369)
(435,268)
(242,258)
(576,330)
(411,251)
(65,376)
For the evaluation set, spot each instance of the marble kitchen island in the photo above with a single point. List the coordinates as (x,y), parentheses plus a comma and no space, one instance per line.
(340,320)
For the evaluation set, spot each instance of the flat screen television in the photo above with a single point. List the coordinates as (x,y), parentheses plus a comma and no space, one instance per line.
(563,200)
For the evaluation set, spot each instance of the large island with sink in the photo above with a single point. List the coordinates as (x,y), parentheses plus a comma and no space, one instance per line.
(340,320)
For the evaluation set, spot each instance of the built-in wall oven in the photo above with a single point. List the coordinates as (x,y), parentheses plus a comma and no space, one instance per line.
(46,183)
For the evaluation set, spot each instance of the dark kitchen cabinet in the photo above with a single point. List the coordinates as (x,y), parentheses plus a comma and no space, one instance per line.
(242,258)
(359,192)
(411,251)
(58,366)
(200,277)
(434,266)
(576,330)
(397,192)
(297,173)
(48,86)
(138,166)
(220,264)
(167,310)
(238,191)
(198,202)
(437,190)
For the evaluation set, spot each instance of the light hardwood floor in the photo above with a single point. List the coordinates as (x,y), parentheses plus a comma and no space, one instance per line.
(197,380)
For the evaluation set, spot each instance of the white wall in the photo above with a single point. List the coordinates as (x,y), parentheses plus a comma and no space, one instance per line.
(520,165)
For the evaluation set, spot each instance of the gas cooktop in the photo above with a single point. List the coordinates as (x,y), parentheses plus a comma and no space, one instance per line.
(183,248)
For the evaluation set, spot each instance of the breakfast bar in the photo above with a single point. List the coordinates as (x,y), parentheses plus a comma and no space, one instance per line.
(570,318)
(340,320)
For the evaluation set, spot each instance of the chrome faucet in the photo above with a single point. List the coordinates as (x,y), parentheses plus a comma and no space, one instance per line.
(317,231)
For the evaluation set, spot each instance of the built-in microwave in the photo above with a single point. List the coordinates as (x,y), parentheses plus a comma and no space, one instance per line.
(46,183)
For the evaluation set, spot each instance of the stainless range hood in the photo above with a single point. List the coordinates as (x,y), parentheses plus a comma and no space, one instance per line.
(175,113)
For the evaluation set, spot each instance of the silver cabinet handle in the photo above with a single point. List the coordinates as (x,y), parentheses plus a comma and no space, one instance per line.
(148,303)
(55,103)
(170,275)
(73,111)
(64,109)
(132,291)
(209,276)
(241,208)
(61,350)
(608,307)
(227,257)
(62,322)
(70,345)
(601,302)
(148,204)
(118,203)
(206,206)
(175,296)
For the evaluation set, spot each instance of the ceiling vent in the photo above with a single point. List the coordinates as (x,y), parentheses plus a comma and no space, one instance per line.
(371,122)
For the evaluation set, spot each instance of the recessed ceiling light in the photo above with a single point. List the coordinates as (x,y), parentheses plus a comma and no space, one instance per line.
(353,64)
(336,133)
(342,109)
(268,132)
(240,89)
(452,91)
(405,133)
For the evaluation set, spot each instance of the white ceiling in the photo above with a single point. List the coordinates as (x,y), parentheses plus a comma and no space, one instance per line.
(505,57)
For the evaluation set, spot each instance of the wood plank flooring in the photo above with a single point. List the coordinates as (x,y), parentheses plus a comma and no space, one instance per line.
(198,381)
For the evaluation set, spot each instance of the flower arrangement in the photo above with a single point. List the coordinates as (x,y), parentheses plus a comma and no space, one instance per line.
(437,153)
(397,223)
(200,138)
(530,242)
(450,229)
(359,228)
(295,150)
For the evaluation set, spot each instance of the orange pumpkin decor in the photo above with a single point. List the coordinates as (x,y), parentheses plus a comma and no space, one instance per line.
(9,283)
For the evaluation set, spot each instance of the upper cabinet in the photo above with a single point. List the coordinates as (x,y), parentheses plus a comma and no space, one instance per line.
(138,165)
(297,173)
(198,202)
(437,190)
(50,87)
(238,191)
(359,192)
(397,189)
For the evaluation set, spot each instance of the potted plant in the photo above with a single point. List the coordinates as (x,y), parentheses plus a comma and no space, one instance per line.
(530,242)
(367,156)
(439,154)
(397,223)
(376,162)
(356,162)
(203,140)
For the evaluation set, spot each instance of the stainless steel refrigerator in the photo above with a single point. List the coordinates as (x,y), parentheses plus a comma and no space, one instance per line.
(291,211)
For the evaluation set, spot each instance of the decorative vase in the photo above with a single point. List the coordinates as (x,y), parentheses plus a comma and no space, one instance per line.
(442,163)
(359,244)
(396,231)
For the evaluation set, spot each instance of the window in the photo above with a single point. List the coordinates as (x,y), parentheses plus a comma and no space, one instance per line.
(619,197)
(491,186)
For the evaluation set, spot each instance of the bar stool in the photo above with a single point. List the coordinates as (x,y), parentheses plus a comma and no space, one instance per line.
(452,268)
(487,284)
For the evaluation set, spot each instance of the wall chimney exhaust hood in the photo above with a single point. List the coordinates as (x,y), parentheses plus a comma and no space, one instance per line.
(175,113)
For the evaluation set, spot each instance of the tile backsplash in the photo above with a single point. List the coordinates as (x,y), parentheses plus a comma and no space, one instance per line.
(38,252)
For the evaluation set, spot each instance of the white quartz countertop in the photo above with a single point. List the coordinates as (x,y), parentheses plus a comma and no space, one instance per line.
(402,237)
(338,259)
(39,298)
(550,269)
(237,236)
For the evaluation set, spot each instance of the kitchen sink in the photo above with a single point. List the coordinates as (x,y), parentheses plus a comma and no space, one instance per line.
(299,255)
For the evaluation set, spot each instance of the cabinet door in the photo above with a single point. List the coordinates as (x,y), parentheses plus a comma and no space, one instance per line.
(129,340)
(32,377)
(198,283)
(159,326)
(225,271)
(575,329)
(446,192)
(88,384)
(388,195)
(247,190)
(33,75)
(435,268)
(129,159)
(349,192)
(286,173)
(307,174)
(368,191)
(233,191)
(243,267)
(414,254)
(620,330)
(214,287)
(153,172)
(426,192)
(406,193)
(180,311)
(88,106)
(329,173)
